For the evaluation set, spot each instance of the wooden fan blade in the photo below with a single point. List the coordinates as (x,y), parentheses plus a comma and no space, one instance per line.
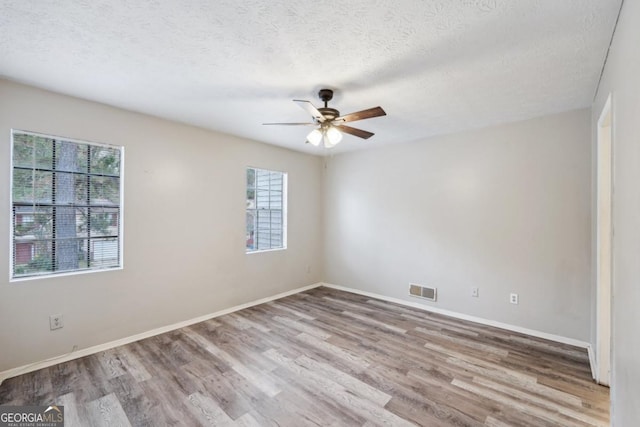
(291,124)
(309,108)
(361,115)
(355,132)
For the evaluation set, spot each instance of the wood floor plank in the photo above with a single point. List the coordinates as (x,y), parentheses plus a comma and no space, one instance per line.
(247,420)
(285,307)
(111,363)
(208,412)
(524,406)
(255,377)
(231,400)
(133,365)
(334,351)
(71,415)
(107,412)
(575,413)
(359,308)
(243,322)
(137,405)
(302,327)
(352,384)
(463,342)
(375,323)
(348,399)
(493,422)
(168,403)
(329,358)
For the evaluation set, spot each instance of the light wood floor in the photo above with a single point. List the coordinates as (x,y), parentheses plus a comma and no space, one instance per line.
(324,357)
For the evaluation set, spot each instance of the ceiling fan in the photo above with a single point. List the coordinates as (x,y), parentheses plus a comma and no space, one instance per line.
(329,123)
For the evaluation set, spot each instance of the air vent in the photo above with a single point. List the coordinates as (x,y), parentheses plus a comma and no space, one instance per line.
(422,292)
(415,290)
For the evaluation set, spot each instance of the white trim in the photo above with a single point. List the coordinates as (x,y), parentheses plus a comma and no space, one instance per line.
(604,241)
(9,373)
(480,320)
(121,210)
(11,220)
(74,140)
(49,275)
(592,361)
(261,251)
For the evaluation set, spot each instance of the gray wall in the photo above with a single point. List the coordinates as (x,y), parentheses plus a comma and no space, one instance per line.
(506,209)
(184,233)
(622,79)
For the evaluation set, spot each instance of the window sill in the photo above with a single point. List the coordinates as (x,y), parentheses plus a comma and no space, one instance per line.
(70,273)
(266,250)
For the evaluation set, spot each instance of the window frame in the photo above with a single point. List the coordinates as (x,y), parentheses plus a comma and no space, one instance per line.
(49,275)
(284,210)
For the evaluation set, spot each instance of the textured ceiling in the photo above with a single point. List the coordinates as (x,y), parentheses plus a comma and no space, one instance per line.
(434,66)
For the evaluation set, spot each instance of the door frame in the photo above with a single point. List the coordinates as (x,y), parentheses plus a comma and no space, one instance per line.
(604,242)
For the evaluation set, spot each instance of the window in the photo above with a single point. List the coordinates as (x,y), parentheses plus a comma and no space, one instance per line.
(266,210)
(66,201)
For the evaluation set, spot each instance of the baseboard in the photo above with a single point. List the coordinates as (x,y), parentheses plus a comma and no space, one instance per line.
(480,320)
(14,372)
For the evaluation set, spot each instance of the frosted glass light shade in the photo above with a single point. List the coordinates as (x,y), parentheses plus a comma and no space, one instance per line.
(332,137)
(314,137)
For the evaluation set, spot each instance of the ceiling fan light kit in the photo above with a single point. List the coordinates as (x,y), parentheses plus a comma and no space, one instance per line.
(330,127)
(328,135)
(332,136)
(314,137)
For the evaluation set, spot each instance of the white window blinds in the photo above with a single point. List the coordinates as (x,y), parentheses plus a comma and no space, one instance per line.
(66,205)
(266,213)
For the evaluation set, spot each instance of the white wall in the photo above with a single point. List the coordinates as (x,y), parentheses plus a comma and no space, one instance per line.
(184,237)
(506,209)
(622,79)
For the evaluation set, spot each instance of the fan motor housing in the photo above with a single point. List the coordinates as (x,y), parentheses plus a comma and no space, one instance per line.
(329,113)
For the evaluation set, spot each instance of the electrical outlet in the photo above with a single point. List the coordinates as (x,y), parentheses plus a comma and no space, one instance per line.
(475,291)
(513,298)
(56,321)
